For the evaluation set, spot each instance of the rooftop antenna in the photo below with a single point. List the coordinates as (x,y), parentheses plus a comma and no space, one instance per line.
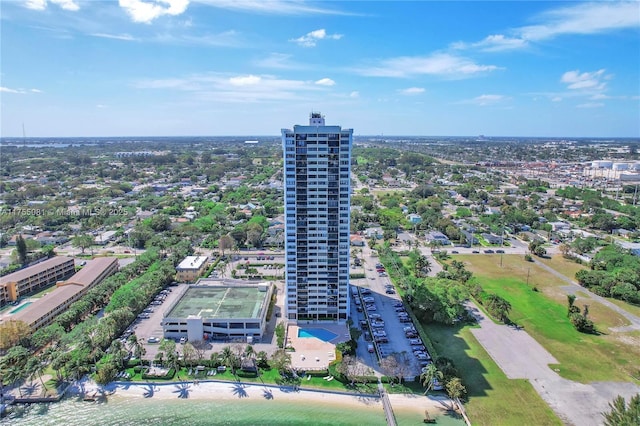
(24,137)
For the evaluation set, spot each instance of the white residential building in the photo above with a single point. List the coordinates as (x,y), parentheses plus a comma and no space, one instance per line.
(317,200)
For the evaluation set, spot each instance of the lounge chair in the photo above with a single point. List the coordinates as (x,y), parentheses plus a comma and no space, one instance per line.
(330,378)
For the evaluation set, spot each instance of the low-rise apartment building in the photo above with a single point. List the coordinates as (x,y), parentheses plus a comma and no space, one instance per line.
(191,268)
(34,278)
(42,312)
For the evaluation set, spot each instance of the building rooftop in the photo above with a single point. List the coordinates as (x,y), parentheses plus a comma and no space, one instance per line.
(35,269)
(220,301)
(46,303)
(64,291)
(192,262)
(89,272)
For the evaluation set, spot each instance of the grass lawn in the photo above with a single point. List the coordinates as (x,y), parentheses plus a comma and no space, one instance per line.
(569,268)
(493,398)
(566,267)
(633,309)
(269,376)
(582,357)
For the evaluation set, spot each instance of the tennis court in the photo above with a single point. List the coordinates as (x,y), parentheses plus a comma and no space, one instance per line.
(220,302)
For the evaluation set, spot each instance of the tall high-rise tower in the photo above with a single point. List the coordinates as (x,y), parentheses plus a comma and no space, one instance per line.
(317,167)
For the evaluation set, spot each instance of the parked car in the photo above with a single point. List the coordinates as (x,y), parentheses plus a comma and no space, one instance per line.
(153,340)
(370,347)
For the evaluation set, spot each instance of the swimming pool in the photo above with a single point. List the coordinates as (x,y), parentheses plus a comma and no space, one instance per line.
(19,308)
(319,333)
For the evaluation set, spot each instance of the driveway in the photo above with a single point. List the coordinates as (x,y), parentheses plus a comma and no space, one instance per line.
(521,357)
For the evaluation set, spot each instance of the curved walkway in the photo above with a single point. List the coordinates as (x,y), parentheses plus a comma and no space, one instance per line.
(522,357)
(633,319)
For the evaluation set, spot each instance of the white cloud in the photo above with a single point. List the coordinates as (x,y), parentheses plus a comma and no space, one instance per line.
(587,81)
(36,4)
(556,99)
(590,105)
(325,82)
(42,4)
(412,91)
(67,4)
(279,7)
(588,18)
(226,39)
(36,91)
(493,43)
(278,61)
(146,11)
(248,80)
(101,106)
(310,39)
(125,37)
(354,94)
(599,96)
(441,64)
(8,90)
(484,100)
(221,87)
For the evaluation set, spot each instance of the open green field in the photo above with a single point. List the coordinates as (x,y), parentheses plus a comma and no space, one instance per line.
(493,398)
(582,357)
(566,267)
(569,268)
(633,309)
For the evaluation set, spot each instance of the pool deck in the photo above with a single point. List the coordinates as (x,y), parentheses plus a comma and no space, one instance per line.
(313,353)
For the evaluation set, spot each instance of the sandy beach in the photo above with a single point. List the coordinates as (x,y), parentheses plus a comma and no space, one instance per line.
(220,391)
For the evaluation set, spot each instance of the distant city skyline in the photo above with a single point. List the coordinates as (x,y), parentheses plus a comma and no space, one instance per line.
(244,67)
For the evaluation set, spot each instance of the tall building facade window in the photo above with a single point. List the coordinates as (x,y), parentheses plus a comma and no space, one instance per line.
(317,190)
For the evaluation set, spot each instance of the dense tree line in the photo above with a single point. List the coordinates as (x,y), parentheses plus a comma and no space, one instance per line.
(614,273)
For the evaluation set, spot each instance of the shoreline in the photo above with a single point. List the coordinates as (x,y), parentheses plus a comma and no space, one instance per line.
(217,390)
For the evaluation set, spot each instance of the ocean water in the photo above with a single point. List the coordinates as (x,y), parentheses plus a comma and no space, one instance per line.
(123,411)
(127,411)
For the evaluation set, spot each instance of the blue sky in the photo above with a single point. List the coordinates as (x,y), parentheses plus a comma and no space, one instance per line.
(233,67)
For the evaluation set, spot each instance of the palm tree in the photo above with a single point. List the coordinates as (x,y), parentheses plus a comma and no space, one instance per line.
(622,414)
(35,367)
(455,389)
(16,374)
(228,358)
(423,266)
(498,307)
(429,375)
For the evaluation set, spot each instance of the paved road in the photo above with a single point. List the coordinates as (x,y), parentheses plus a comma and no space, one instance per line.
(574,286)
(521,357)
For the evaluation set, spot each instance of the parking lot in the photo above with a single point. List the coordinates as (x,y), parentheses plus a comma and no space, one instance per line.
(386,326)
